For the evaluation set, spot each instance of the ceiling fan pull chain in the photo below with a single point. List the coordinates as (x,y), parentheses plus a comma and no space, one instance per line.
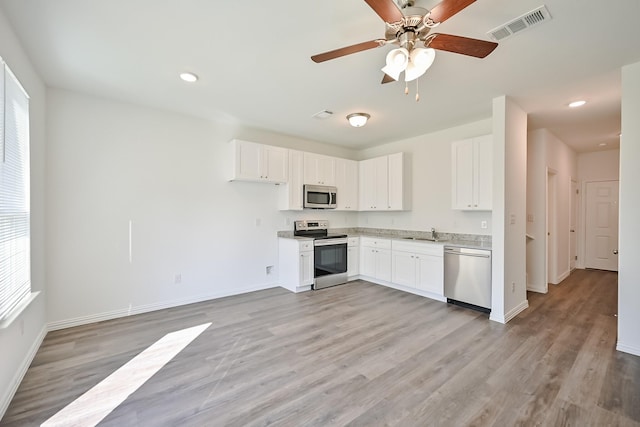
(406,88)
(417,91)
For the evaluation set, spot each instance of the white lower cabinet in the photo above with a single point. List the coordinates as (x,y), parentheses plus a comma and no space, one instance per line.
(353,256)
(295,259)
(375,258)
(418,265)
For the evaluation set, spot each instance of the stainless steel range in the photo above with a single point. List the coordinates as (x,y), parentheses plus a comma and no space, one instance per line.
(329,253)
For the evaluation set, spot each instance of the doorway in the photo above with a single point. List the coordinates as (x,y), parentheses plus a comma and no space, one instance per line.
(601,225)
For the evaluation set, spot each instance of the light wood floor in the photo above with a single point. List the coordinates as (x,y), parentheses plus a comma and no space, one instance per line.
(358,354)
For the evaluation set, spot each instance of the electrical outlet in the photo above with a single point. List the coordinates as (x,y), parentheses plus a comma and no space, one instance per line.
(258,222)
(513,287)
(269,269)
(483,224)
(177,279)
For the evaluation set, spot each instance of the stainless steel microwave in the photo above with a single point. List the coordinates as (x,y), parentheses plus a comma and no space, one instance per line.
(320,197)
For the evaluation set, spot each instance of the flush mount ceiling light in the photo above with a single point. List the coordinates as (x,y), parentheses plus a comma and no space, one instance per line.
(358,120)
(575,104)
(189,77)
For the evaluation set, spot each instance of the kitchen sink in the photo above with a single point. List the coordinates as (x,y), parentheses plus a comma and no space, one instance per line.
(426,239)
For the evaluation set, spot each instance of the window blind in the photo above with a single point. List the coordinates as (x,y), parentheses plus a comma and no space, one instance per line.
(15,235)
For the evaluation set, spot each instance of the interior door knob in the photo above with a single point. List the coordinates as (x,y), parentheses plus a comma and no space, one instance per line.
(615,252)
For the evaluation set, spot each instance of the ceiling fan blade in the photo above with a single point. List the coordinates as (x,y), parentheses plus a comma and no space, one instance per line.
(386,9)
(447,9)
(387,79)
(337,53)
(462,45)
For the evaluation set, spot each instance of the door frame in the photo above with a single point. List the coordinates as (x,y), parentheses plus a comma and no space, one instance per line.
(551,241)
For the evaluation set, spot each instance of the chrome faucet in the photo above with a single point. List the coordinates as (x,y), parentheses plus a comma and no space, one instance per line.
(434,236)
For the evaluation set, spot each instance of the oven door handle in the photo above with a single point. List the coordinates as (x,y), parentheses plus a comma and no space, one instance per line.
(329,242)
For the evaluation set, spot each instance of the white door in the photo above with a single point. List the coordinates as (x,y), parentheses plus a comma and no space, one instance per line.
(573,240)
(601,225)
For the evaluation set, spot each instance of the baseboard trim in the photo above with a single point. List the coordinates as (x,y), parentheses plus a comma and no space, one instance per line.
(418,292)
(99,317)
(563,276)
(628,349)
(21,372)
(505,318)
(541,289)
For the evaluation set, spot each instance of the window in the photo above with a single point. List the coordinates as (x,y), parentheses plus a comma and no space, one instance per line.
(15,259)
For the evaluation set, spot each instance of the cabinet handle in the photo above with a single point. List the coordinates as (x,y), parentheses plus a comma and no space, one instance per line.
(475,206)
(468,206)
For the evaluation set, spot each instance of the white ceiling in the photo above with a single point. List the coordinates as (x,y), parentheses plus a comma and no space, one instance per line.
(252,57)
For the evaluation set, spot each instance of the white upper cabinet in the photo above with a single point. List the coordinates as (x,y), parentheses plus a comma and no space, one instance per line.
(291,193)
(319,170)
(374,184)
(258,162)
(385,183)
(347,184)
(472,173)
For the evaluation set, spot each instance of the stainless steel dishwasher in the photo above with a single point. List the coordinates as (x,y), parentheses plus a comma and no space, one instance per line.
(467,276)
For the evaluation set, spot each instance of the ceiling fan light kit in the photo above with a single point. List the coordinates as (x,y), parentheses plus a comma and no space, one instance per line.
(405,27)
(358,120)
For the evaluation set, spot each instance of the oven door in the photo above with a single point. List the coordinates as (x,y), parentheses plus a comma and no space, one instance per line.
(330,262)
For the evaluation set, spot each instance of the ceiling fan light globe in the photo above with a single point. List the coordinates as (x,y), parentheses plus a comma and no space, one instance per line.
(394,73)
(423,57)
(398,58)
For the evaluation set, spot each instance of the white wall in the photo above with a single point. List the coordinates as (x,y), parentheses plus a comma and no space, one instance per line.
(110,163)
(629,267)
(509,294)
(21,338)
(430,156)
(599,166)
(594,166)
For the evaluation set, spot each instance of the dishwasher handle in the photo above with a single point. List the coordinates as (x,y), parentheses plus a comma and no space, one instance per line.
(467,252)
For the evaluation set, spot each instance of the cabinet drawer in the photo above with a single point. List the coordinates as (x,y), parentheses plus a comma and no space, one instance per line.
(424,248)
(353,241)
(306,245)
(375,242)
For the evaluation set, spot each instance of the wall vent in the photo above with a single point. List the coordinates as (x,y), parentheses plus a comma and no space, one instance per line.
(521,23)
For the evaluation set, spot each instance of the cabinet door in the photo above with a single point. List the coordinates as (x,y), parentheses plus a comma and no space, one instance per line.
(319,170)
(397,182)
(462,167)
(368,261)
(291,193)
(374,184)
(383,264)
(430,273)
(275,163)
(483,172)
(306,268)
(347,184)
(367,187)
(248,161)
(404,269)
(381,183)
(353,258)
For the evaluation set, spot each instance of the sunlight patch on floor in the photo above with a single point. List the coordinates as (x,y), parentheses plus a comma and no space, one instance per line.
(93,406)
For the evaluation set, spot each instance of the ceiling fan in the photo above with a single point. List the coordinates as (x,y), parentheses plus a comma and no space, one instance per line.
(406,26)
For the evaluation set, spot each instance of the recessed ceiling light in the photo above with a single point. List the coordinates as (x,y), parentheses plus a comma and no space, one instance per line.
(575,104)
(189,77)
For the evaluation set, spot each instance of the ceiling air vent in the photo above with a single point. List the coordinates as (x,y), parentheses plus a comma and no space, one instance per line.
(528,20)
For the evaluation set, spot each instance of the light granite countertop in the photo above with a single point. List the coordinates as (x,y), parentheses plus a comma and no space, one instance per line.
(476,241)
